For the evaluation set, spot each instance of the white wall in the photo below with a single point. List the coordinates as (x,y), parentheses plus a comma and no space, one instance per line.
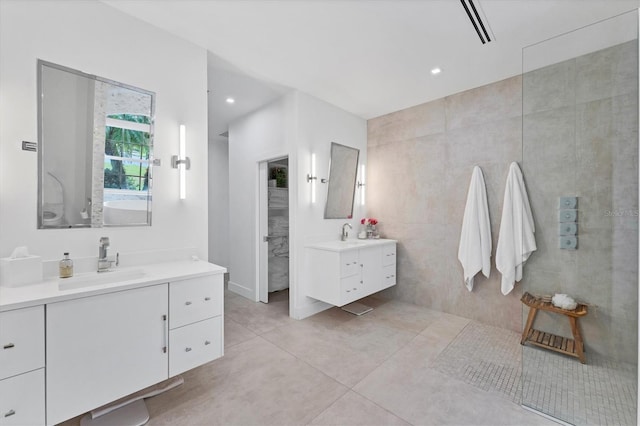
(219,201)
(97,39)
(262,135)
(296,125)
(319,124)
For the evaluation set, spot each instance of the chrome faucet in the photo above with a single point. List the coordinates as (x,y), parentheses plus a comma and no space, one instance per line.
(345,233)
(103,262)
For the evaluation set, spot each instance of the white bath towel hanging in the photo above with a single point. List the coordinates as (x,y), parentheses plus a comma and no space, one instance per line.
(474,252)
(516,241)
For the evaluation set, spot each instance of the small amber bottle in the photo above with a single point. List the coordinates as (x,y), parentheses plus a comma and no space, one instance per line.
(66,267)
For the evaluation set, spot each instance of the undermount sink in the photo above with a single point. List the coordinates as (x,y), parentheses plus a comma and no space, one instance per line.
(98,278)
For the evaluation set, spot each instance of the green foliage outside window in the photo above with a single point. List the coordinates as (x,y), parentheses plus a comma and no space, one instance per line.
(131,170)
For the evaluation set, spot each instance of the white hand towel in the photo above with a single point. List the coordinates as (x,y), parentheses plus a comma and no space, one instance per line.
(516,241)
(474,252)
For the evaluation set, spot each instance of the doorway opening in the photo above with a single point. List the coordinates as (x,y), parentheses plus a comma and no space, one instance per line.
(274,224)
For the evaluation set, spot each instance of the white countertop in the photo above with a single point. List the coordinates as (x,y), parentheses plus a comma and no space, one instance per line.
(352,244)
(132,277)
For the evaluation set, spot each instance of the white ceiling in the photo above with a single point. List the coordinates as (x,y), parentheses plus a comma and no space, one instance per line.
(369,57)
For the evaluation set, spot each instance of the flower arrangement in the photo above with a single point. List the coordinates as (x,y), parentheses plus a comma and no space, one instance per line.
(368,221)
(369,224)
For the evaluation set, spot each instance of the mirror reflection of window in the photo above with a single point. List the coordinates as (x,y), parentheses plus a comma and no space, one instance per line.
(126,154)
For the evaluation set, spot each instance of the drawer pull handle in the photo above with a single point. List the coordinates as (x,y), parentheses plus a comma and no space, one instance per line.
(187,349)
(187,303)
(348,291)
(206,299)
(165,334)
(206,342)
(9,346)
(10,413)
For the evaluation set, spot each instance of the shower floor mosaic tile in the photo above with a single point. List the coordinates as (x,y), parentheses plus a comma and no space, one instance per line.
(486,357)
(601,392)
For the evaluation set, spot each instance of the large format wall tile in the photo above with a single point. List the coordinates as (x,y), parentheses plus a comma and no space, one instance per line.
(422,120)
(580,128)
(550,87)
(607,73)
(484,104)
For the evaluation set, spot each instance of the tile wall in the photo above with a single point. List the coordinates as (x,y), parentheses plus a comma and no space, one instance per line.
(580,128)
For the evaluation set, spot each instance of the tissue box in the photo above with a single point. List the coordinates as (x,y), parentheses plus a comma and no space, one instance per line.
(20,271)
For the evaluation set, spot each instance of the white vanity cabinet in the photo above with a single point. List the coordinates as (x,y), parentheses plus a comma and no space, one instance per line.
(342,272)
(195,319)
(101,348)
(64,352)
(388,266)
(22,366)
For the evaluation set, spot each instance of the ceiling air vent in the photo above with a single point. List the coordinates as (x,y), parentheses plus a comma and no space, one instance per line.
(475,19)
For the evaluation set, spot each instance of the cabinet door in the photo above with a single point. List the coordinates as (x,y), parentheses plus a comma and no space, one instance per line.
(370,259)
(101,348)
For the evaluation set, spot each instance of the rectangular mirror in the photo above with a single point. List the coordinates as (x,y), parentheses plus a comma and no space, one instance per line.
(343,171)
(95,150)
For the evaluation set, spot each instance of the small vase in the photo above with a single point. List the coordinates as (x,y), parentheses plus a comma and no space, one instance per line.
(370,230)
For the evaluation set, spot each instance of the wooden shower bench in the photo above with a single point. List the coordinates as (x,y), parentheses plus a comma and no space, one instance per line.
(572,347)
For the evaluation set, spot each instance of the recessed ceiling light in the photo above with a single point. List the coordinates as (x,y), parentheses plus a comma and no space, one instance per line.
(436,71)
(230,100)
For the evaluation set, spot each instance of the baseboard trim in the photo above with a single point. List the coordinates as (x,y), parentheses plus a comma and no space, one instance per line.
(242,291)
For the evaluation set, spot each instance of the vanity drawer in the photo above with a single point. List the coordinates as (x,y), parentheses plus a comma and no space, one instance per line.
(388,276)
(22,399)
(389,254)
(349,263)
(351,288)
(21,341)
(194,345)
(194,300)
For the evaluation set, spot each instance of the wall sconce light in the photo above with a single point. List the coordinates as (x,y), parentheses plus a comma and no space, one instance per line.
(312,178)
(361,184)
(182,162)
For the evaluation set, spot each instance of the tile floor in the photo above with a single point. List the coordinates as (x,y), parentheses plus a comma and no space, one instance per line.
(333,369)
(600,392)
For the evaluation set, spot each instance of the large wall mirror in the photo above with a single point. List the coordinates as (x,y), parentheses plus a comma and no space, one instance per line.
(95,150)
(342,182)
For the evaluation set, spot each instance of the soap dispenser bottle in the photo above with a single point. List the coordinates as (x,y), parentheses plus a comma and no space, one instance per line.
(66,267)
